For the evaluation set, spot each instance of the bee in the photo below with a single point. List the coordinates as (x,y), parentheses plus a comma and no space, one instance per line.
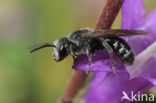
(88,41)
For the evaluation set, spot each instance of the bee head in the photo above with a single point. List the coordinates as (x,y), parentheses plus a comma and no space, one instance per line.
(62,49)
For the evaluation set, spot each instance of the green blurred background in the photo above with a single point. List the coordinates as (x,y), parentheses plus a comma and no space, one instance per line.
(36,78)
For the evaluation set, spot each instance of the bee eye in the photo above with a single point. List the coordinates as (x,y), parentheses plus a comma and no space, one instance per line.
(62,47)
(63,51)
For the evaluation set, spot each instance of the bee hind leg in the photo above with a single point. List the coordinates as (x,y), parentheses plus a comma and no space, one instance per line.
(110,51)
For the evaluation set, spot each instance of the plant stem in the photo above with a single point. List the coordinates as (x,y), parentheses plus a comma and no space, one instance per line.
(76,82)
(108,15)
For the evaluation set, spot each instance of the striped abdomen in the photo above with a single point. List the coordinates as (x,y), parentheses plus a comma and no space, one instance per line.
(121,49)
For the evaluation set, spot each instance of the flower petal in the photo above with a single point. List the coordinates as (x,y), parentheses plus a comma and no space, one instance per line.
(141,42)
(145,63)
(100,63)
(150,23)
(107,87)
(132,14)
(149,68)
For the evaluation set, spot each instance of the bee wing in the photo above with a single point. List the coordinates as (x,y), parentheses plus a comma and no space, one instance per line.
(125,32)
(113,32)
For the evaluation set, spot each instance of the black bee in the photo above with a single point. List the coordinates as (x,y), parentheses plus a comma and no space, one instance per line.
(88,41)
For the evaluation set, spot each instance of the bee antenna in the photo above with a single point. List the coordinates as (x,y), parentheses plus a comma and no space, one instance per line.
(40,46)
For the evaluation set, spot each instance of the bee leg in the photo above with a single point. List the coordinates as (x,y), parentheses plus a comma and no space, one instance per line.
(89,58)
(89,63)
(72,53)
(73,57)
(110,51)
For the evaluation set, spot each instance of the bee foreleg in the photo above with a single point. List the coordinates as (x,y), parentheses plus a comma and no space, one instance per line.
(110,51)
(73,57)
(72,52)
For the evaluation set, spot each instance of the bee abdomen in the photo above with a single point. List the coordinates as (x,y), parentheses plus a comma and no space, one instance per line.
(121,49)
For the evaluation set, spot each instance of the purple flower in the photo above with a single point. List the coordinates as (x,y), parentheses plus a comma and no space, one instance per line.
(138,78)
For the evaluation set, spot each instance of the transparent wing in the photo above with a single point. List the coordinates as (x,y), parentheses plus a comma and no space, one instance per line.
(113,32)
